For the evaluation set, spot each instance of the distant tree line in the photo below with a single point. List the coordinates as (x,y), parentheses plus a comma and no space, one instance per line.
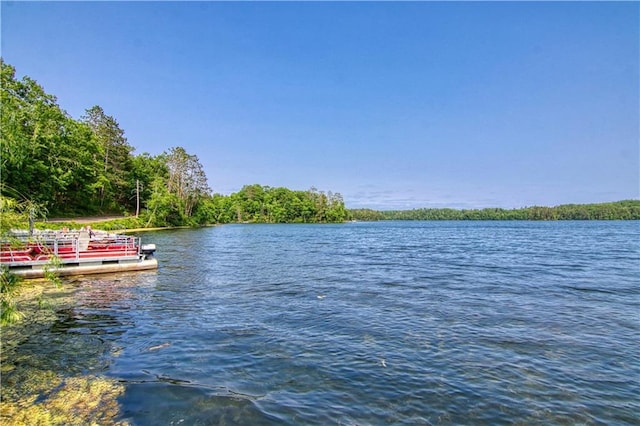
(54,165)
(620,210)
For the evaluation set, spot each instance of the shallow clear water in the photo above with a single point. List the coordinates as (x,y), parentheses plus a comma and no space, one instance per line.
(369,323)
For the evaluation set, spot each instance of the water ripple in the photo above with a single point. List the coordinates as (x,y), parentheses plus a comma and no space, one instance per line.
(384,323)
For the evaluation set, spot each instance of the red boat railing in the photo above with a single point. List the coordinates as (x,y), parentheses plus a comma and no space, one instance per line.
(68,247)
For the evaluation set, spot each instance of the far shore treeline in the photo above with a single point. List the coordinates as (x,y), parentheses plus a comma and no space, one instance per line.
(619,210)
(52,165)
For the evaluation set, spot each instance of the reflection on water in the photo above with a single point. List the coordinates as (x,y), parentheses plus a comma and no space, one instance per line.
(385,323)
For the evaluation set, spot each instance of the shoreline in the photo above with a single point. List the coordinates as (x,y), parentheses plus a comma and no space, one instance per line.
(165,228)
(96,227)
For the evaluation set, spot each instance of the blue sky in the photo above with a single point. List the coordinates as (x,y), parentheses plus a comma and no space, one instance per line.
(394,105)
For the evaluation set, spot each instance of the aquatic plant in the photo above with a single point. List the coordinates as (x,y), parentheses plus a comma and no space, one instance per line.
(10,289)
(54,400)
(36,389)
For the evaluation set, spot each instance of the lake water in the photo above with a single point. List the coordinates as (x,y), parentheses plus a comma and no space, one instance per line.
(368,324)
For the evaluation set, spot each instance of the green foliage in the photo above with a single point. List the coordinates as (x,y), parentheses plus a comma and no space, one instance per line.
(8,288)
(366,215)
(45,155)
(263,204)
(187,180)
(50,273)
(145,170)
(163,207)
(85,167)
(114,159)
(621,210)
(14,215)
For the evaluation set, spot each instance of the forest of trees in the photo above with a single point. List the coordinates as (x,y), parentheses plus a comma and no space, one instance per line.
(620,210)
(54,165)
(263,204)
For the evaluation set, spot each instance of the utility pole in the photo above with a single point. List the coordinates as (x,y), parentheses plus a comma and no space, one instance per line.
(137,197)
(32,216)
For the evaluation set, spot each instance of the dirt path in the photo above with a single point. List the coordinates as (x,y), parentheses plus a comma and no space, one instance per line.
(92,219)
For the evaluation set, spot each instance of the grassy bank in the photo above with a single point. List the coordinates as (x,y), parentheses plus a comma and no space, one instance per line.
(115,224)
(121,225)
